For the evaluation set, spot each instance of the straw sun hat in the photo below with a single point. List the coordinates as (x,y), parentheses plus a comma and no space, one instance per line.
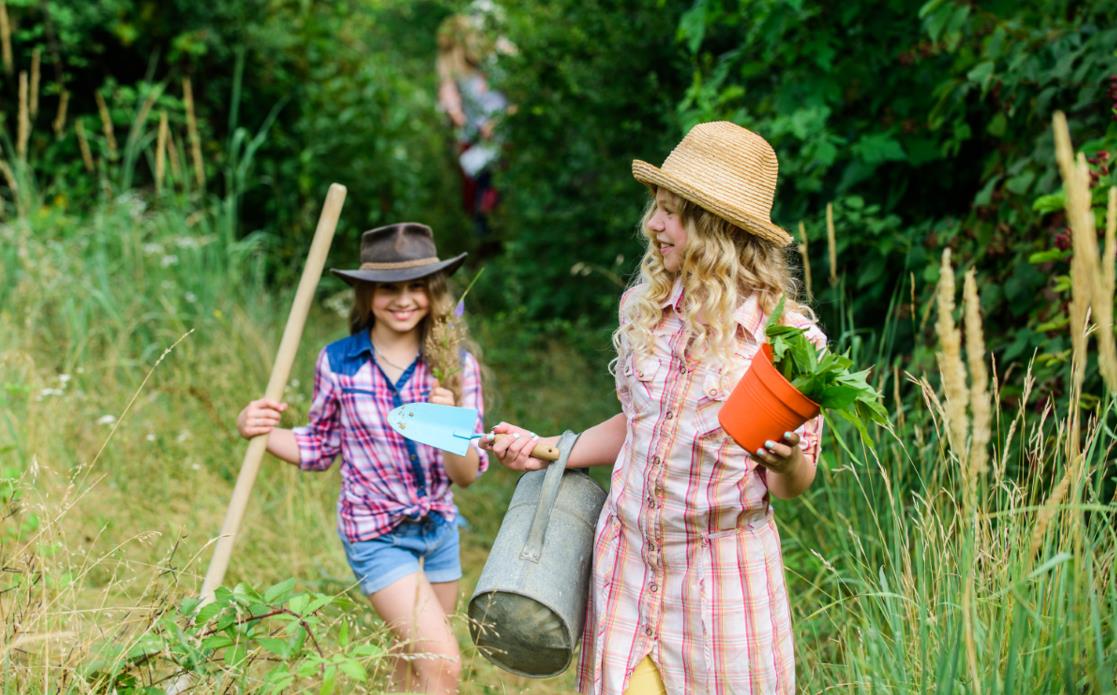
(724,169)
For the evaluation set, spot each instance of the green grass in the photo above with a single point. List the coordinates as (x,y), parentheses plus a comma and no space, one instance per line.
(113,486)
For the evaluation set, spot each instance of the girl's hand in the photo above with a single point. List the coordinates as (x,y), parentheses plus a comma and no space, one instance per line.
(259,417)
(514,451)
(781,456)
(441,396)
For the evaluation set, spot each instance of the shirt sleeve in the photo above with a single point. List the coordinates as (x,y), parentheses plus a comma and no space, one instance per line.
(472,397)
(320,440)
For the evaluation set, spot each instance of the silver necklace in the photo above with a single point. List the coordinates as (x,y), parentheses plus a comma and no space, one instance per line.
(377,353)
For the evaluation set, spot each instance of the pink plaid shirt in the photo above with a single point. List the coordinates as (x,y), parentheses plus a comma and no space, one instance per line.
(687,564)
(384,477)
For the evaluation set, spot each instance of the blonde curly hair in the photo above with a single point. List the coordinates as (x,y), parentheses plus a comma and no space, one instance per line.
(721,266)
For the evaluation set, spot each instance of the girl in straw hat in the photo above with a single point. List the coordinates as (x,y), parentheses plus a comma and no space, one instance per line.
(395,509)
(688,593)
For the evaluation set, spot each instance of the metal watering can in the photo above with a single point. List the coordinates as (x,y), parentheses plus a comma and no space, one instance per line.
(527,611)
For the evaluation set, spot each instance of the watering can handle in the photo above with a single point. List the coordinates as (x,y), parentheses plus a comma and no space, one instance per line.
(533,547)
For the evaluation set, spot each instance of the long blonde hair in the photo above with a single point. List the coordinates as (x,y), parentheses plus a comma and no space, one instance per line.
(721,266)
(442,335)
(461,47)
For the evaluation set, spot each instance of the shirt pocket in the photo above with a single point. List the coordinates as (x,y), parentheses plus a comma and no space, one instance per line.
(642,379)
(711,398)
(716,384)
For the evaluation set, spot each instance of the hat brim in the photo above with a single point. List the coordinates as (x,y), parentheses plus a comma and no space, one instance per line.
(449,267)
(651,175)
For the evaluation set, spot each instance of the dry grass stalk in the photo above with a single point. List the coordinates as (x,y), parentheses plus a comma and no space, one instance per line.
(1087,284)
(901,419)
(83,144)
(6,38)
(161,152)
(1103,304)
(981,409)
(950,361)
(805,255)
(60,117)
(36,65)
(25,121)
(9,178)
(172,156)
(24,132)
(832,242)
(192,132)
(106,124)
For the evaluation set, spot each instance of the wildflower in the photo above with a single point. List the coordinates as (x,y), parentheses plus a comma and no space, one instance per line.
(106,420)
(150,437)
(48,392)
(190,298)
(64,379)
(168,260)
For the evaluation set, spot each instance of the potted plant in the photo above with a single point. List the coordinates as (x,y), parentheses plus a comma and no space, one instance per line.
(789,381)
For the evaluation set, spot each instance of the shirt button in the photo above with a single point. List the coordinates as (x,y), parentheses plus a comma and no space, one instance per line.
(670,414)
(654,587)
(649,631)
(655,460)
(651,502)
(414,457)
(651,546)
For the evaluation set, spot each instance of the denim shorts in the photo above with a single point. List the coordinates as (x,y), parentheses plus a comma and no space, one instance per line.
(382,561)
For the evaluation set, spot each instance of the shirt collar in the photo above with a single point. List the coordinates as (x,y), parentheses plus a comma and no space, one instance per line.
(748,314)
(360,344)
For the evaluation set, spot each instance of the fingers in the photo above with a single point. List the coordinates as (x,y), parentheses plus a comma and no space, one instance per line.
(260,417)
(777,454)
(514,450)
(442,396)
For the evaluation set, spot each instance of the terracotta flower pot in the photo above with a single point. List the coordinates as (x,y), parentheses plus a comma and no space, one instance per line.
(764,405)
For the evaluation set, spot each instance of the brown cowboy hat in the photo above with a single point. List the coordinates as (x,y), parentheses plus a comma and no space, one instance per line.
(724,169)
(398,253)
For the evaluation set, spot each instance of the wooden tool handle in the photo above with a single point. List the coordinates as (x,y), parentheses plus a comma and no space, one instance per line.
(281,369)
(541,451)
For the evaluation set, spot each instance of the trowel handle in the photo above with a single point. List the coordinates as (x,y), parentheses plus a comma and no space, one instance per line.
(541,451)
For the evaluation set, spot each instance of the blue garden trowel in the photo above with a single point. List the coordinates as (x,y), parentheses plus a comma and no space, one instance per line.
(448,428)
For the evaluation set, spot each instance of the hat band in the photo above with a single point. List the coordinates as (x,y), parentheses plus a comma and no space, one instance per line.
(400,265)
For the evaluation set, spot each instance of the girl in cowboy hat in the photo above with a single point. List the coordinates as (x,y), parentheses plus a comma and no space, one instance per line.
(688,593)
(395,509)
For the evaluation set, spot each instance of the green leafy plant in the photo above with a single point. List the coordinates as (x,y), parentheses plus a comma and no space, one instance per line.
(276,636)
(827,378)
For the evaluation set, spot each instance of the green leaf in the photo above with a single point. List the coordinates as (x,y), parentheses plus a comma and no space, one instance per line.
(329,680)
(236,653)
(353,668)
(1048,256)
(298,603)
(998,125)
(277,593)
(1050,202)
(280,648)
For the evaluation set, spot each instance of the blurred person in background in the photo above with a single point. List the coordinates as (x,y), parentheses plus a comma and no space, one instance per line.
(474,110)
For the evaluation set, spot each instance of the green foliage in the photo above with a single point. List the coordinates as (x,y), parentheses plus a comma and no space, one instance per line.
(934,119)
(274,635)
(827,378)
(595,84)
